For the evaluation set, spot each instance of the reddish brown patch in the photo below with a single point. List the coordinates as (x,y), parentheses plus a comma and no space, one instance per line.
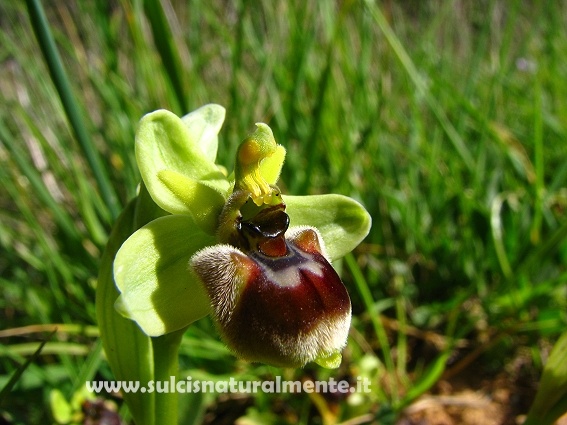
(274,247)
(308,241)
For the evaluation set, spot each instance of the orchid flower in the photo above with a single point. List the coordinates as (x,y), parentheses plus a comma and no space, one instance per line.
(235,247)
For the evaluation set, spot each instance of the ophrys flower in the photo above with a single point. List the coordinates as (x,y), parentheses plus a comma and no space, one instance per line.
(234,246)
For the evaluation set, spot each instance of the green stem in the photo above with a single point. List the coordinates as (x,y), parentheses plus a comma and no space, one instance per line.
(166,350)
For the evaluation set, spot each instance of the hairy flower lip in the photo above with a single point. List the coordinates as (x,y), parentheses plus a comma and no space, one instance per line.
(284,311)
(282,302)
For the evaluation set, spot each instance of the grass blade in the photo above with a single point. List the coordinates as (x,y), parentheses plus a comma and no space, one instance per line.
(165,43)
(18,373)
(420,84)
(61,217)
(551,399)
(379,329)
(70,104)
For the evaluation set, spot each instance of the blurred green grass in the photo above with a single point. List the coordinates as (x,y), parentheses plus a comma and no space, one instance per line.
(447,120)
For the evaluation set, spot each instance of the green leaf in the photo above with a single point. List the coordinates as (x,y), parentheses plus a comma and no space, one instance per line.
(204,125)
(151,270)
(342,221)
(128,350)
(164,142)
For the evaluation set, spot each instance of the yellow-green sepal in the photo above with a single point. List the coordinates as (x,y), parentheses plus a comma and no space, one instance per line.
(151,270)
(204,125)
(165,142)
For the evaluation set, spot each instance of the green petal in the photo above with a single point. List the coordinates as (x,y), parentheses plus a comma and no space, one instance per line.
(151,270)
(342,221)
(204,125)
(204,203)
(164,142)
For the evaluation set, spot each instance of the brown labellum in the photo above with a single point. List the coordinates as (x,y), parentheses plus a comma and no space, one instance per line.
(275,297)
